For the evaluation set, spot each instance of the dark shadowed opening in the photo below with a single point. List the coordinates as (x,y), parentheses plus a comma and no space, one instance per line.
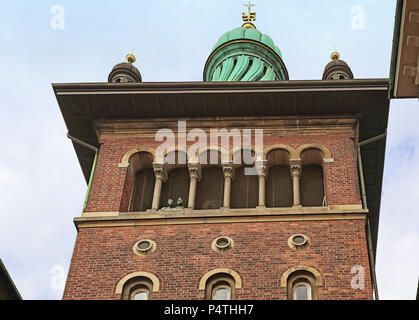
(177,185)
(210,188)
(311,186)
(244,190)
(141,168)
(142,193)
(279,187)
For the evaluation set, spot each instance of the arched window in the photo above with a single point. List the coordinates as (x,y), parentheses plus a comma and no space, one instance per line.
(210,188)
(301,291)
(220,287)
(138,288)
(222,292)
(141,166)
(278,188)
(311,182)
(143,190)
(245,185)
(177,184)
(301,286)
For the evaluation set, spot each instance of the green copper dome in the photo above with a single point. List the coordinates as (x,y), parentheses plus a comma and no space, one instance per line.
(245,54)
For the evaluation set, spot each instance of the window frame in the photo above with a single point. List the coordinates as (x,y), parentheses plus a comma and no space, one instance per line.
(217,282)
(135,286)
(219,287)
(302,278)
(139,290)
(308,287)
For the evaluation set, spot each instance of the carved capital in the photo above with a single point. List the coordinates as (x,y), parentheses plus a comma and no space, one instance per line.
(295,170)
(194,173)
(194,170)
(228,171)
(262,171)
(160,171)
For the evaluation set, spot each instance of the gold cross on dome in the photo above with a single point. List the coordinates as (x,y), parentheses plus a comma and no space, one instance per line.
(250,16)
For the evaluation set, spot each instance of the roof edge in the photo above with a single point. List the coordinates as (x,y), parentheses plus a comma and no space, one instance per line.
(198,86)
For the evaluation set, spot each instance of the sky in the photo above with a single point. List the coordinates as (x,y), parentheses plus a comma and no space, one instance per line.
(42,42)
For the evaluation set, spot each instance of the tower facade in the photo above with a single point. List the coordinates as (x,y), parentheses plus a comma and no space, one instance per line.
(244,186)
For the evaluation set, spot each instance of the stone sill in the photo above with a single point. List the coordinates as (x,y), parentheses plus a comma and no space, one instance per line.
(222,215)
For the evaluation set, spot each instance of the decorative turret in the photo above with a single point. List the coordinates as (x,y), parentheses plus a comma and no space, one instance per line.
(245,54)
(337,69)
(125,71)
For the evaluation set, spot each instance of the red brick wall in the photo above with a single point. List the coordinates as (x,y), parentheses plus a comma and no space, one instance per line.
(126,193)
(261,255)
(340,176)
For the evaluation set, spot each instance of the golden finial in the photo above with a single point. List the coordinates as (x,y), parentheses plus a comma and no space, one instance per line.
(250,16)
(130,57)
(335,55)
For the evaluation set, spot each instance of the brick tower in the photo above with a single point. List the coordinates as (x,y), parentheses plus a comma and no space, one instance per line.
(244,186)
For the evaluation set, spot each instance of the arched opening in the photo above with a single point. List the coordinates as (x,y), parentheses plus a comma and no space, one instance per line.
(143,190)
(245,185)
(137,288)
(312,180)
(177,184)
(210,188)
(220,286)
(141,166)
(301,285)
(278,191)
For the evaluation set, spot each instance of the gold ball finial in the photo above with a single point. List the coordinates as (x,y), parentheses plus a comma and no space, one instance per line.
(335,56)
(248,25)
(130,58)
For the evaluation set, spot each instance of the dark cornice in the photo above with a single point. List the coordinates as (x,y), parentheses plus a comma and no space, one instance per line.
(197,87)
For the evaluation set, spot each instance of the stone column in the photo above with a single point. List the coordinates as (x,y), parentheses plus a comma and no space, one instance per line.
(262,181)
(194,174)
(228,176)
(160,173)
(295,174)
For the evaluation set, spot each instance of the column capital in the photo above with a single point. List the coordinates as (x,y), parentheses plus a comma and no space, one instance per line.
(262,171)
(228,170)
(194,170)
(295,170)
(160,171)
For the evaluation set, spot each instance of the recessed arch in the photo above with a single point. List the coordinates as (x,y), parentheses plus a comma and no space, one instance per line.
(231,272)
(235,150)
(288,272)
(223,152)
(278,156)
(290,150)
(152,277)
(326,152)
(162,155)
(128,154)
(175,158)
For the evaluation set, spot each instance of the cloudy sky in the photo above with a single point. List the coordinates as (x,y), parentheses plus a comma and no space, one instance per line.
(41,184)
